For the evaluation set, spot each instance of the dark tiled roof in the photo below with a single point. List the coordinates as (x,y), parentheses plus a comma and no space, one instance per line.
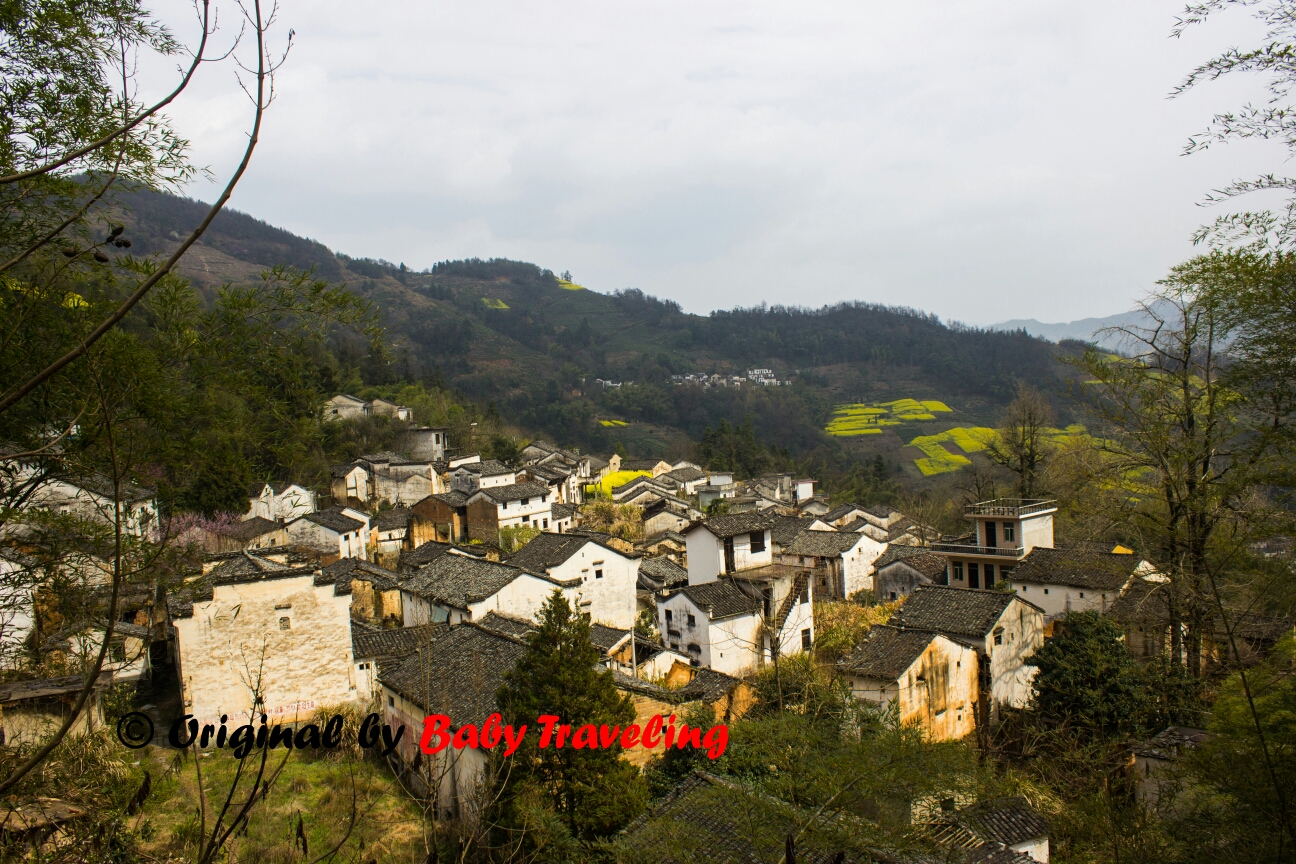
(786,528)
(1081,568)
(896,551)
(248,529)
(707,686)
(719,821)
(487,468)
(515,491)
(720,599)
(342,571)
(552,473)
(334,521)
(954,611)
(928,564)
(383,457)
(841,510)
(822,544)
(390,520)
(639,464)
(385,643)
(425,554)
(343,469)
(548,550)
(1172,743)
(244,566)
(453,498)
(742,523)
(1144,600)
(1005,820)
(40,688)
(664,571)
(458,674)
(606,638)
(687,474)
(886,652)
(564,511)
(458,580)
(507,624)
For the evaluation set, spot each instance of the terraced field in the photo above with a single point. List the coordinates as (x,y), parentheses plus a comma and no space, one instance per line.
(619,478)
(860,419)
(937,458)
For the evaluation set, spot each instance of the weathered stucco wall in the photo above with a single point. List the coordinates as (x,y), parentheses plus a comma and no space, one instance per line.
(292,636)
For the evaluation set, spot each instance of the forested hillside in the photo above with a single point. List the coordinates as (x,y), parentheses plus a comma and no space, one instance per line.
(514,334)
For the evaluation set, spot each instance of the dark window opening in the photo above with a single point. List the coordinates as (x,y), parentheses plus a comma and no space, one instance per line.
(758,541)
(805,639)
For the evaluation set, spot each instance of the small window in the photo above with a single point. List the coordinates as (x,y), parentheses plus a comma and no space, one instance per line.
(893,595)
(1081,595)
(998,636)
(526,519)
(524,502)
(692,622)
(668,616)
(391,701)
(598,574)
(285,624)
(1009,532)
(958,571)
(1045,590)
(546,523)
(805,639)
(758,541)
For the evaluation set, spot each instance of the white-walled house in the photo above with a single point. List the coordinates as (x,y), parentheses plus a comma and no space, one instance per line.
(608,578)
(469,476)
(350,480)
(279,501)
(338,529)
(729,626)
(516,504)
(726,544)
(91,498)
(250,618)
(842,563)
(456,588)
(1060,581)
(1003,628)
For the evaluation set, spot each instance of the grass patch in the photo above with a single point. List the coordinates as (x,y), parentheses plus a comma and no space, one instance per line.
(612,422)
(494,303)
(570,286)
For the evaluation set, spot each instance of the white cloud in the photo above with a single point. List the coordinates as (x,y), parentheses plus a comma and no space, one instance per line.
(980,160)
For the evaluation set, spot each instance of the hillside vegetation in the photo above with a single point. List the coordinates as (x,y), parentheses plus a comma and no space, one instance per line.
(514,335)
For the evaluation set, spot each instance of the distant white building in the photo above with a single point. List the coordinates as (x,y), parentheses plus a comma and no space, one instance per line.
(279,501)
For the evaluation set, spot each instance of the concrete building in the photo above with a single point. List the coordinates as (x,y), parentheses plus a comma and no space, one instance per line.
(1004,531)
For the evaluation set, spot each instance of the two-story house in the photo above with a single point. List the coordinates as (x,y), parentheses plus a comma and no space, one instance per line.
(455,588)
(1001,627)
(1060,581)
(491,508)
(608,578)
(1004,531)
(841,563)
(468,477)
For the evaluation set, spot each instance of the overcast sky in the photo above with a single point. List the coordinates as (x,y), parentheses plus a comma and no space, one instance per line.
(982,161)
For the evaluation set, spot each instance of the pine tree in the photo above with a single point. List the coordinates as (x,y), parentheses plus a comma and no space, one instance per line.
(593,791)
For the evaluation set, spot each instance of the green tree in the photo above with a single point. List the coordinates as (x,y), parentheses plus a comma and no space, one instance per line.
(593,791)
(1088,678)
(737,449)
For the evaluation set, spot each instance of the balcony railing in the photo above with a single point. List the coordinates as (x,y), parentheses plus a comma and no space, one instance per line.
(987,551)
(1012,508)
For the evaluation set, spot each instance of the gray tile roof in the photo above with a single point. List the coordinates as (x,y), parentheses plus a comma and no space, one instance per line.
(663,571)
(458,580)
(1081,568)
(822,544)
(639,464)
(507,624)
(720,599)
(342,571)
(1005,820)
(687,474)
(249,529)
(487,468)
(606,638)
(564,511)
(514,491)
(954,611)
(245,565)
(334,521)
(720,821)
(412,560)
(343,469)
(928,564)
(886,653)
(380,643)
(786,528)
(453,498)
(548,550)
(742,523)
(390,520)
(841,510)
(383,457)
(896,551)
(458,674)
(707,685)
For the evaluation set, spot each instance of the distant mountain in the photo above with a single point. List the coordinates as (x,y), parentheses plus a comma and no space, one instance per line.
(1084,330)
(513,334)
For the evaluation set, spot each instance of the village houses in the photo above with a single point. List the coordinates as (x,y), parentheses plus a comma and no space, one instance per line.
(492,508)
(340,531)
(1005,530)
